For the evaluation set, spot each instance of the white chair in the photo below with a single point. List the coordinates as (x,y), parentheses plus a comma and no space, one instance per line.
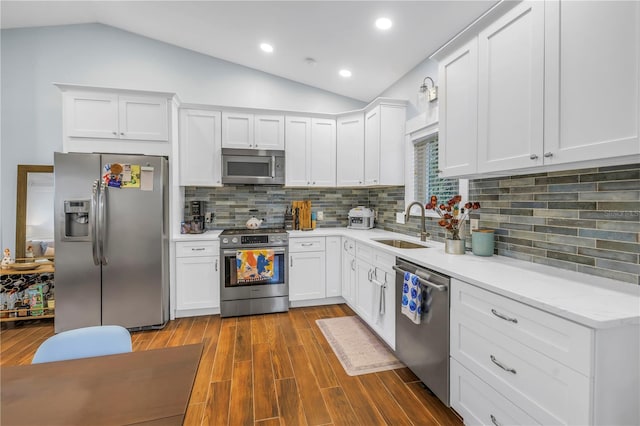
(84,343)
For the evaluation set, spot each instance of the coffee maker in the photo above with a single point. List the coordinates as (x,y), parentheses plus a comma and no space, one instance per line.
(194,219)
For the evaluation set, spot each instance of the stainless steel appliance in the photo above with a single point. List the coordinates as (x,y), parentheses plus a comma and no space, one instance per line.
(194,221)
(111,240)
(253,166)
(361,217)
(240,297)
(424,347)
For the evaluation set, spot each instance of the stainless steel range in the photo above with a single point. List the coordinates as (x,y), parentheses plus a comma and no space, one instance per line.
(254,278)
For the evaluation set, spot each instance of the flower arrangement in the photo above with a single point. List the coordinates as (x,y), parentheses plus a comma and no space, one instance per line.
(452,217)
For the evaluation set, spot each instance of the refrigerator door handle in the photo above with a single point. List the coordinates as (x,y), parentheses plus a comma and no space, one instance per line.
(93,230)
(102,222)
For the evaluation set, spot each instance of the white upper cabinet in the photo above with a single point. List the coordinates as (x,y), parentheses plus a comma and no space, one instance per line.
(252,131)
(322,160)
(458,76)
(592,78)
(108,115)
(298,130)
(372,147)
(269,131)
(511,89)
(310,151)
(200,148)
(350,150)
(384,144)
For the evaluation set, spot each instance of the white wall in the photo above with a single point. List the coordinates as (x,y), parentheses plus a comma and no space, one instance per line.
(98,55)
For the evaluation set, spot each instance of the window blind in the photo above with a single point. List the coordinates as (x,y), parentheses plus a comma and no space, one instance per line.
(426,179)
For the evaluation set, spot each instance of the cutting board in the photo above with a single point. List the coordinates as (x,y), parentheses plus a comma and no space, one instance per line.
(304,213)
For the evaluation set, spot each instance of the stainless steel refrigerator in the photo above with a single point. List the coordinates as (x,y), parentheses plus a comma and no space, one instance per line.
(111,240)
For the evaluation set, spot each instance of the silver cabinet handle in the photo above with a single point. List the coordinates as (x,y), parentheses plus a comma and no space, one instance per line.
(494,421)
(533,157)
(291,261)
(216,265)
(548,154)
(115,133)
(306,244)
(197,249)
(499,364)
(345,245)
(503,316)
(121,133)
(353,265)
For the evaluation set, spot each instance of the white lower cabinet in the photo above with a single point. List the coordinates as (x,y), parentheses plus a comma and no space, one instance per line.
(307,269)
(515,364)
(368,286)
(333,266)
(197,276)
(349,270)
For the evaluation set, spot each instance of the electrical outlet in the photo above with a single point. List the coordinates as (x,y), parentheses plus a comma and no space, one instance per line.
(400,217)
(320,216)
(474,224)
(208,217)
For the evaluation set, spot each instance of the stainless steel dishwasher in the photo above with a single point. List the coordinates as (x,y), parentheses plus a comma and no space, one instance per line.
(424,347)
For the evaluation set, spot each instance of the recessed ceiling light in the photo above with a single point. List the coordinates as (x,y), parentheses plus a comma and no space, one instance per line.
(345,73)
(266,47)
(383,23)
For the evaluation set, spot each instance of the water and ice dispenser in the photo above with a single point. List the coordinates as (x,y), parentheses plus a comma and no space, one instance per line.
(76,219)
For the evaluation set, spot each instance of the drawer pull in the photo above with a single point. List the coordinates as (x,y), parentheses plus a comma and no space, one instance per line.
(499,364)
(494,421)
(504,317)
(198,249)
(306,244)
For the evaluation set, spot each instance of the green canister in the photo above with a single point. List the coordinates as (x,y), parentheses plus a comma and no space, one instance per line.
(482,242)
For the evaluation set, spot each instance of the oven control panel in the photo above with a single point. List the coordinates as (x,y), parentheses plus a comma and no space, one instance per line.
(237,241)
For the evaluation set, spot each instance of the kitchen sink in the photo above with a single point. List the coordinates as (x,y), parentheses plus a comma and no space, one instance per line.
(402,244)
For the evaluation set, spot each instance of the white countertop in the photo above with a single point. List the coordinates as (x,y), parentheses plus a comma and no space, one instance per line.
(585,299)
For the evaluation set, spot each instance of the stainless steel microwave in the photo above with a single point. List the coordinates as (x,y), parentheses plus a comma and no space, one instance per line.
(253,166)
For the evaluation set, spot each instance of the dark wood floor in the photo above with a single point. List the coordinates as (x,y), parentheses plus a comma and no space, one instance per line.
(268,370)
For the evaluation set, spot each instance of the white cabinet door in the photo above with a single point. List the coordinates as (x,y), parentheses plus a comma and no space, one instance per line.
(364,291)
(143,118)
(334,266)
(237,130)
(200,148)
(322,155)
(511,89)
(384,313)
(197,282)
(307,275)
(350,150)
(592,100)
(348,278)
(269,131)
(91,115)
(391,151)
(372,147)
(458,80)
(298,130)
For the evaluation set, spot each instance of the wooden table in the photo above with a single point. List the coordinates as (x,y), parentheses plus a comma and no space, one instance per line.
(147,387)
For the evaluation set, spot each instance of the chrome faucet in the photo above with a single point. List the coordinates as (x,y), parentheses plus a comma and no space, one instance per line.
(407,215)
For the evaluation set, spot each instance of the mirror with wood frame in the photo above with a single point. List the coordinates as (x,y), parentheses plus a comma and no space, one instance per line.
(34,211)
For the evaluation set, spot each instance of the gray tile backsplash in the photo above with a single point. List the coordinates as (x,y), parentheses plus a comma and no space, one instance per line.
(584,220)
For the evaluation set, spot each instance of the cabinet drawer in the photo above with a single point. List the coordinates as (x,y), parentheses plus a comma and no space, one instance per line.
(548,391)
(297,245)
(364,252)
(197,248)
(479,404)
(555,337)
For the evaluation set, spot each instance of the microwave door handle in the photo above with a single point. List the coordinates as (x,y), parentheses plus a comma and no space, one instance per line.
(273,167)
(93,231)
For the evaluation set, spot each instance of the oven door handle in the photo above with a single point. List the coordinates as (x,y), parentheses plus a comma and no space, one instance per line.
(235,251)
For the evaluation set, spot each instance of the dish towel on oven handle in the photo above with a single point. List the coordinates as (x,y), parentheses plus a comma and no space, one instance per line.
(416,299)
(254,265)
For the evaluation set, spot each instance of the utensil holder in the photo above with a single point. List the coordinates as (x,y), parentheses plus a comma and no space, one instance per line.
(482,242)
